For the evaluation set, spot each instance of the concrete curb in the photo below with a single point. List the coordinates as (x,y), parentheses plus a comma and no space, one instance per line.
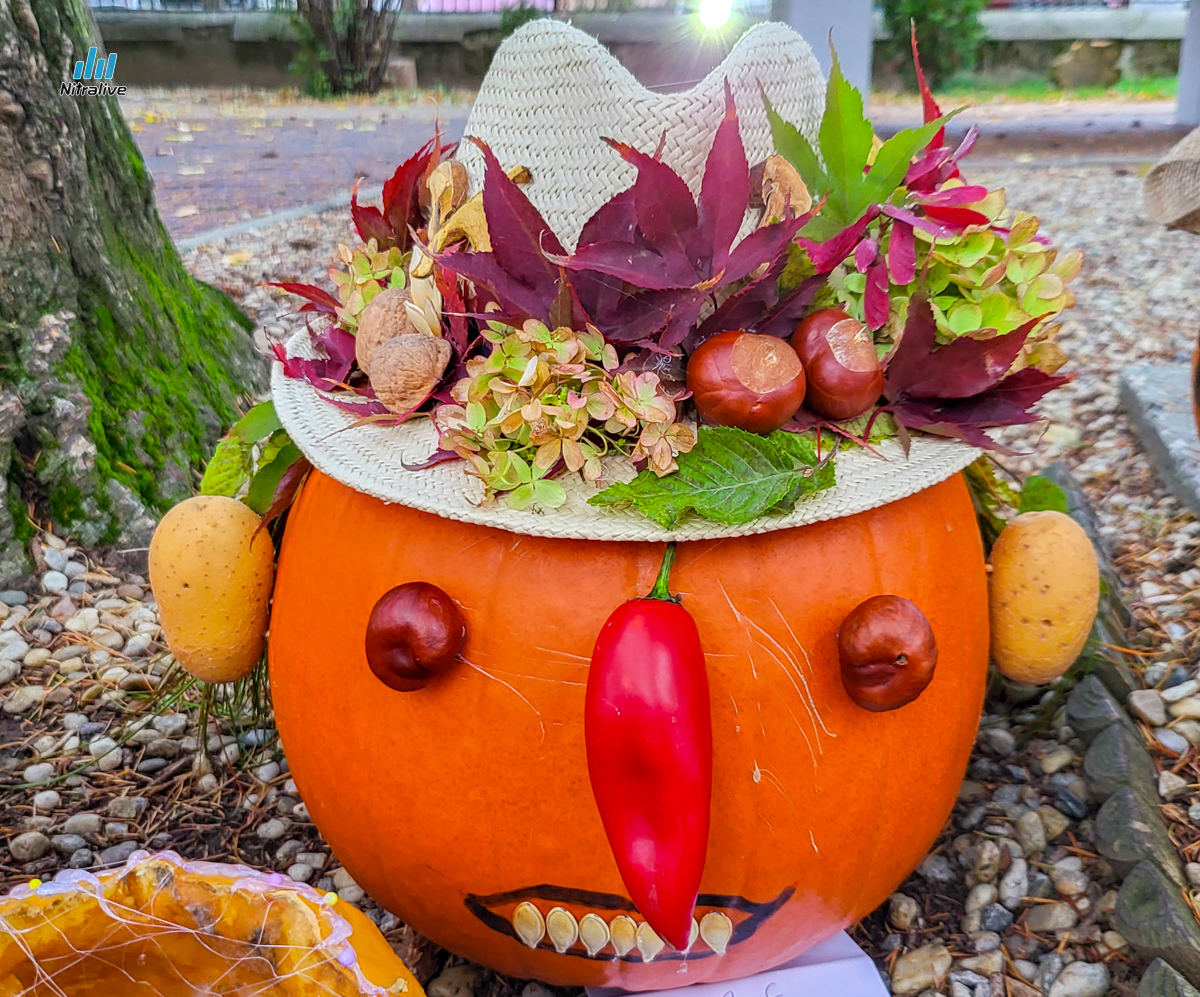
(1158,400)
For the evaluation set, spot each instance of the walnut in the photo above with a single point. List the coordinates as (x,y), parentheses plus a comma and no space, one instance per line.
(384,318)
(406,369)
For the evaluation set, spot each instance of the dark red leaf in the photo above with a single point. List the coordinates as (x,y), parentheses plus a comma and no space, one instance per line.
(958,217)
(520,237)
(763,245)
(639,265)
(666,213)
(724,191)
(439,456)
(614,221)
(865,254)
(966,145)
(916,221)
(875,300)
(902,253)
(324,373)
(454,311)
(1007,404)
(827,255)
(285,492)
(950,197)
(932,111)
(322,300)
(759,307)
(339,343)
(369,223)
(360,408)
(517,300)
(920,368)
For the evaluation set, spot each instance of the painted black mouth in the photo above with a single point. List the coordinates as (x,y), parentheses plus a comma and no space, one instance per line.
(752,915)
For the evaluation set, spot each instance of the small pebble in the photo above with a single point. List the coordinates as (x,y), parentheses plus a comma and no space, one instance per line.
(1057,759)
(46,801)
(55,582)
(903,910)
(273,829)
(1171,786)
(84,823)
(1147,705)
(996,741)
(38,774)
(936,869)
(29,847)
(81,859)
(118,853)
(1175,743)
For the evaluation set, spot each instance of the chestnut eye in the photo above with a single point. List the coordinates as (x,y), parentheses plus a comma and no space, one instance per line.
(887,653)
(414,634)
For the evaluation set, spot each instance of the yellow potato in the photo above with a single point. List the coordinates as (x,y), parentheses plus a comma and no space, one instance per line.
(1044,589)
(212,578)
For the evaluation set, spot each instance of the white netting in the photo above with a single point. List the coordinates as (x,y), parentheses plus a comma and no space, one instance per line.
(163,927)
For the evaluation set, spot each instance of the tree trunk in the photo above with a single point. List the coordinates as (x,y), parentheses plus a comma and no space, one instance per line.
(117,370)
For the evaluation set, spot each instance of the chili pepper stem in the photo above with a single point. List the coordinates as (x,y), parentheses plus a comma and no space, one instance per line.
(662,589)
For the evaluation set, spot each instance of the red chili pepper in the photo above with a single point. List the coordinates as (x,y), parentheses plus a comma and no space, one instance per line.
(648,728)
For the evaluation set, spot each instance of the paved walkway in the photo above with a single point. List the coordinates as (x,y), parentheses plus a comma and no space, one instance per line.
(215,166)
(220,158)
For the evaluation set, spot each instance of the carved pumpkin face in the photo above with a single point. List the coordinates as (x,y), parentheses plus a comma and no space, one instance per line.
(465,807)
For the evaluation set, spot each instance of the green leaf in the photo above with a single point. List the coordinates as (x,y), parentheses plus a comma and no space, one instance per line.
(846,137)
(266,478)
(229,468)
(257,424)
(730,477)
(270,450)
(794,147)
(1041,493)
(892,162)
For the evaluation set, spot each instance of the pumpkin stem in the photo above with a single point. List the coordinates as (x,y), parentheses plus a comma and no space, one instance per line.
(662,588)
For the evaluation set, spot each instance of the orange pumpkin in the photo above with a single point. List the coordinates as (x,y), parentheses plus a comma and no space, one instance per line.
(466,805)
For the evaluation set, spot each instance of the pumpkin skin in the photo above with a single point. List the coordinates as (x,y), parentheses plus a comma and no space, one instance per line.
(452,804)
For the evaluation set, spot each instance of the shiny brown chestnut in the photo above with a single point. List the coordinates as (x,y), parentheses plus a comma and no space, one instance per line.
(414,634)
(838,353)
(745,380)
(887,651)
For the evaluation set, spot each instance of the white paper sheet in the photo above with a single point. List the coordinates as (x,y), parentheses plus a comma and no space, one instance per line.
(835,968)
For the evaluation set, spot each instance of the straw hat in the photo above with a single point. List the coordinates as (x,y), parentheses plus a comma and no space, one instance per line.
(551,95)
(1173,186)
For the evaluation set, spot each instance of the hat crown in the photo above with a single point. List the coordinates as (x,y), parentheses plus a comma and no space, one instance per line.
(553,93)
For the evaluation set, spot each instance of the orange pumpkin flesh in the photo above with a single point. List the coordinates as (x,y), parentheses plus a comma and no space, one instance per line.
(455,804)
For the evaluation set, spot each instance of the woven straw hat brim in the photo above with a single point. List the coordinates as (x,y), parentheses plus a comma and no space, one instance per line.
(1172,186)
(553,94)
(371,458)
(550,97)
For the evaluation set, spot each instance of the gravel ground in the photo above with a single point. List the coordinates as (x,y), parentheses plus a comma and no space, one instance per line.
(1012,902)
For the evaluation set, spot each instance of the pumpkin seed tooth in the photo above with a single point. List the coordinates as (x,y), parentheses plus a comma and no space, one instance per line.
(716,929)
(529,924)
(623,931)
(692,936)
(562,928)
(648,942)
(593,932)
